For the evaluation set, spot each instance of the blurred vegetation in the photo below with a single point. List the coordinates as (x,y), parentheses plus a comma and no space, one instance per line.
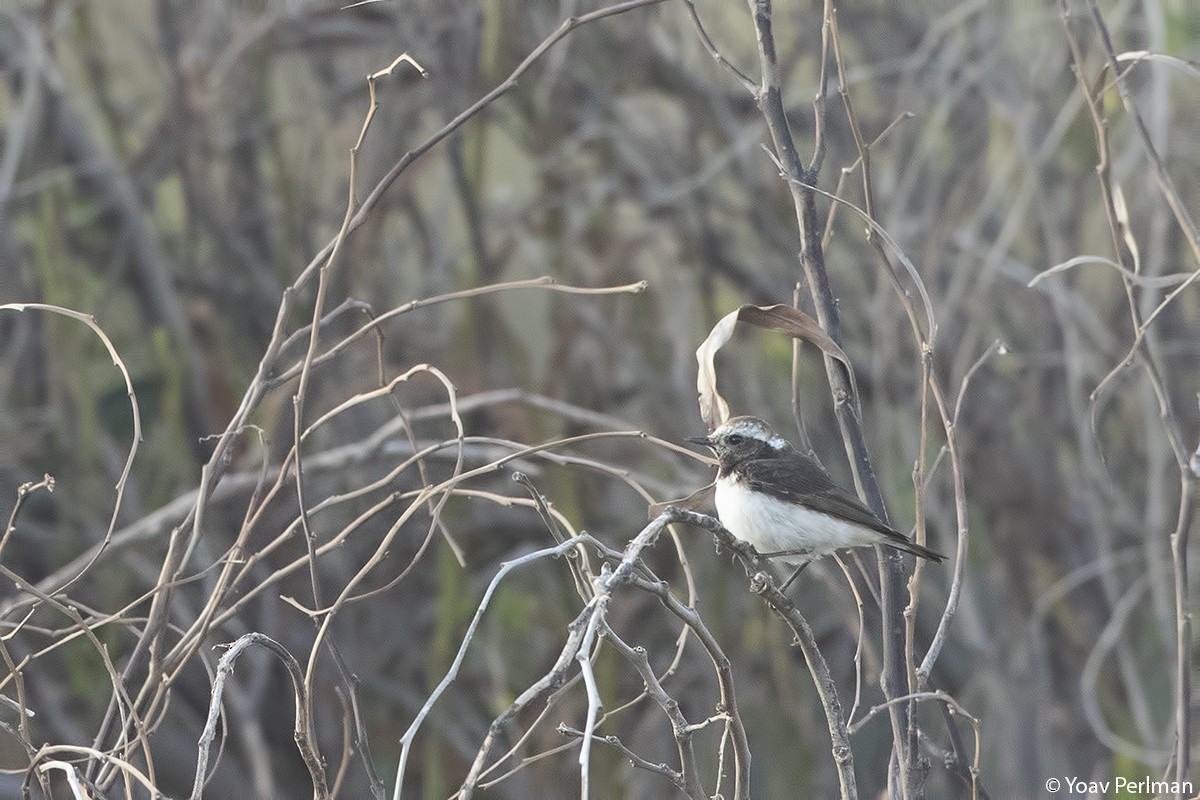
(171,166)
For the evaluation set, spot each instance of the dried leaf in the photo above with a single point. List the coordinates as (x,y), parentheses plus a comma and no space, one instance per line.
(699,500)
(1121,211)
(782,318)
(713,408)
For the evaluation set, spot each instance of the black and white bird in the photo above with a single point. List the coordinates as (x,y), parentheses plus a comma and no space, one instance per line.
(783,501)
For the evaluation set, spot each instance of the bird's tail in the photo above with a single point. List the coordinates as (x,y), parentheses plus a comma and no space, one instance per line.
(902,543)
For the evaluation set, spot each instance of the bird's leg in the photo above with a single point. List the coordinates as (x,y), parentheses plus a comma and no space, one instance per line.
(783,589)
(802,551)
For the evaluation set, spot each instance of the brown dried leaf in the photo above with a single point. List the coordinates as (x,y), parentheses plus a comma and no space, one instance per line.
(713,408)
(782,318)
(699,500)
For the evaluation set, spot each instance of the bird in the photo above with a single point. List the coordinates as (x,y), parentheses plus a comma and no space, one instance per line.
(785,504)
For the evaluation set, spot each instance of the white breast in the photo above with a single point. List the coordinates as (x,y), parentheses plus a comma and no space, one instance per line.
(774,525)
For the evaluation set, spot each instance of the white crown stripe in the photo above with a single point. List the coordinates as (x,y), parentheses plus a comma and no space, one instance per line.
(754,428)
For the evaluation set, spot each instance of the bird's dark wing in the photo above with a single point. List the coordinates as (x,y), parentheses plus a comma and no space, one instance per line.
(799,479)
(796,478)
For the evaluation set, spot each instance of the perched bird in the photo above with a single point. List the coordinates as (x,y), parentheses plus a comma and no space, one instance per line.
(783,501)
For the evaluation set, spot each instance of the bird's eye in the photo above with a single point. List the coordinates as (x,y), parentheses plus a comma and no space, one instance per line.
(736,438)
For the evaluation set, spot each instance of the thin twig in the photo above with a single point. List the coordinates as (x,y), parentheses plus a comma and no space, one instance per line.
(90,321)
(303,735)
(409,736)
(764,586)
(23,492)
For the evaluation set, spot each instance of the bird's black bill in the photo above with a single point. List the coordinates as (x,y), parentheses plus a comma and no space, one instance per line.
(704,441)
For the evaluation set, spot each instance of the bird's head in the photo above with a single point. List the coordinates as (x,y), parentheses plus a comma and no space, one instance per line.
(742,438)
